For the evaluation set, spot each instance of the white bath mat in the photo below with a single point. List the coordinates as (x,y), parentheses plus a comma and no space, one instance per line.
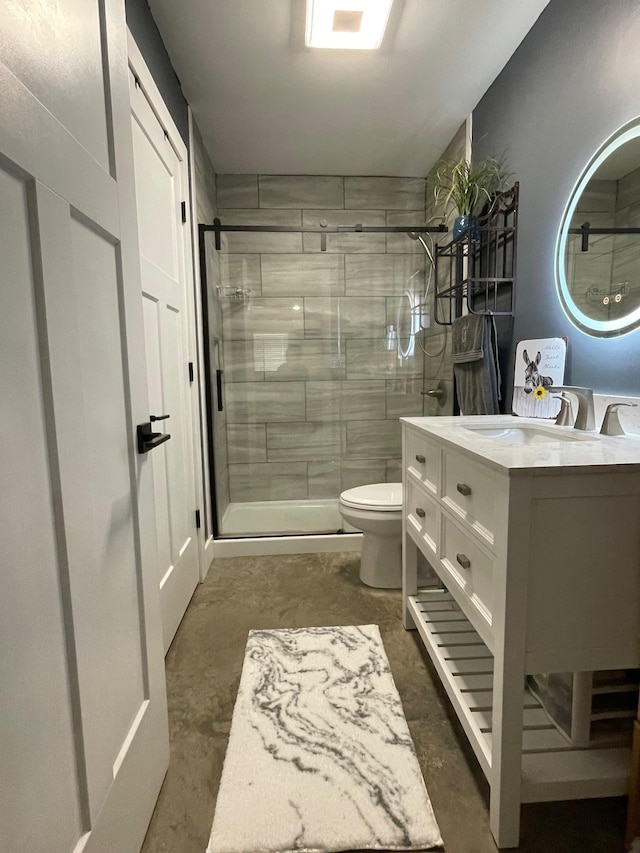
(320,757)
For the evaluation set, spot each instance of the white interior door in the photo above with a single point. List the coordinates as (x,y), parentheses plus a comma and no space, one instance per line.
(83,733)
(167,299)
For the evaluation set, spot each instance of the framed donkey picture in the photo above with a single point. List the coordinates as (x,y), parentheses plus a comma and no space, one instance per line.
(539,366)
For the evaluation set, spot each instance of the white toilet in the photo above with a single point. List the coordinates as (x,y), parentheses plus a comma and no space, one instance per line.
(377,511)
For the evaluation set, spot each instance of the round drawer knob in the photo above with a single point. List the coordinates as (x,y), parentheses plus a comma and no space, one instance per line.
(420,512)
(464,489)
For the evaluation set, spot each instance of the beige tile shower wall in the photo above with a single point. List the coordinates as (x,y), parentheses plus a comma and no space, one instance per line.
(313,395)
(438,370)
(205,183)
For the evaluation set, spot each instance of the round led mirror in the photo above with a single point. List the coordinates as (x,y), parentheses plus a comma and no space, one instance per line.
(598,248)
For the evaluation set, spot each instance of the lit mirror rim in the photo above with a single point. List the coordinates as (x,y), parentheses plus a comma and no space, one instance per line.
(600,328)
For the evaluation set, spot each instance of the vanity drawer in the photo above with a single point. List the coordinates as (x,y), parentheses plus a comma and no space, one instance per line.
(469,491)
(422,458)
(470,567)
(422,517)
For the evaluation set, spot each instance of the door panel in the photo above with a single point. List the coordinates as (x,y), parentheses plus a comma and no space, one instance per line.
(36,143)
(81,295)
(83,741)
(165,291)
(36,735)
(151,312)
(180,500)
(34,44)
(104,589)
(156,166)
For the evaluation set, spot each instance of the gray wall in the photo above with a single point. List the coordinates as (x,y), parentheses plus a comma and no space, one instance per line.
(151,46)
(572,82)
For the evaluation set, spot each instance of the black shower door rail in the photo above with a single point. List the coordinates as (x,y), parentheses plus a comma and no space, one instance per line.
(218,228)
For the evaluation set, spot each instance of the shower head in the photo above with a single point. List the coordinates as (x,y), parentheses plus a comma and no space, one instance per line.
(415,236)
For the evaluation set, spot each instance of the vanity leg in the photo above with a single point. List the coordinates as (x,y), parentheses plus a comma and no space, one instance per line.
(510,612)
(409,577)
(506,756)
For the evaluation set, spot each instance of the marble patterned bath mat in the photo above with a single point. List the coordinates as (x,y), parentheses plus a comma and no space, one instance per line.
(320,757)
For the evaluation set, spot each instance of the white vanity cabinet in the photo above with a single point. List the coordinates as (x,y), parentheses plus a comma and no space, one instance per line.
(538,548)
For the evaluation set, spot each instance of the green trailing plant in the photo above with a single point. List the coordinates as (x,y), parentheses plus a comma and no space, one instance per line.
(465,186)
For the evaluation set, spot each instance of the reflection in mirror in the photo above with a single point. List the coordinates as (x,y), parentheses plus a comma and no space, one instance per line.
(598,255)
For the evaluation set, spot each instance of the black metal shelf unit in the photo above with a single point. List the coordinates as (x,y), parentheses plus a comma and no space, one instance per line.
(478,270)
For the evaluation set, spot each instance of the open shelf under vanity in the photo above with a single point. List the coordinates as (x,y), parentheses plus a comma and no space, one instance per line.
(552,769)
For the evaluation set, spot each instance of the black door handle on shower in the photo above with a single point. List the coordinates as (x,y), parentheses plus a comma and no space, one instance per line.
(153,418)
(147,439)
(219,388)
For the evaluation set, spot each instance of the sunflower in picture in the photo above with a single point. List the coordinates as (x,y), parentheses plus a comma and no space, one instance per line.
(540,392)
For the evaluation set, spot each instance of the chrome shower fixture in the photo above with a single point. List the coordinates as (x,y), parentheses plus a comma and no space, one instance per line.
(235,294)
(423,243)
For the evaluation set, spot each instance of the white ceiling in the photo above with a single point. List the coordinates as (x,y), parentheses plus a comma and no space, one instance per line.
(265,104)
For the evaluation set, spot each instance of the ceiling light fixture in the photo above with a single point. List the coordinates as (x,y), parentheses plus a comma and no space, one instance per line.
(346,24)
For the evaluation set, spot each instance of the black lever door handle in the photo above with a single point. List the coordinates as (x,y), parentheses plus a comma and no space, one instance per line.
(147,439)
(153,418)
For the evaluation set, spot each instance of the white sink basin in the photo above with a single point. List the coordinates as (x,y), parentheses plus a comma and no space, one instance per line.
(525,434)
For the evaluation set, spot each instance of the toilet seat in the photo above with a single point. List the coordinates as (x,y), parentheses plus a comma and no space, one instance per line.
(377,497)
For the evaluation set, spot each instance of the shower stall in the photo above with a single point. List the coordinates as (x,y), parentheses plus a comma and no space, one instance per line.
(316,326)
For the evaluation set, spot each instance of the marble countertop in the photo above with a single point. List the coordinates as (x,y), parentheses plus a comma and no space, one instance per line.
(541,456)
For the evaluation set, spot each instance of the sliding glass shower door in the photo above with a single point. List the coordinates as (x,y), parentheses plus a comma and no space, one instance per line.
(312,380)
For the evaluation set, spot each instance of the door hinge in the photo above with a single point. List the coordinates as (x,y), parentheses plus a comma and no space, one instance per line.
(198,519)
(183,210)
(190,371)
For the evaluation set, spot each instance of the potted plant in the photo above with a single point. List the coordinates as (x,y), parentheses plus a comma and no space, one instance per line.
(465,186)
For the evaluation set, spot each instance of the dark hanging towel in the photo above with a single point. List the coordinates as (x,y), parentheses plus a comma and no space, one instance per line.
(475,364)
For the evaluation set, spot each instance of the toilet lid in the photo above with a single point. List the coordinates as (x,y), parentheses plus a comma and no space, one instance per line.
(382,497)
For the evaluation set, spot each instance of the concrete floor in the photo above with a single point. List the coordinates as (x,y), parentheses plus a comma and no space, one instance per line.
(203,671)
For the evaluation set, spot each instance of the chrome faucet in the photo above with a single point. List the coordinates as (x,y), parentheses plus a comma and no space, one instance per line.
(565,415)
(585,419)
(611,424)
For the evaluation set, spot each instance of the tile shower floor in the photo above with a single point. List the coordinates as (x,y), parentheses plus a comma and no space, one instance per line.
(274,518)
(203,671)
